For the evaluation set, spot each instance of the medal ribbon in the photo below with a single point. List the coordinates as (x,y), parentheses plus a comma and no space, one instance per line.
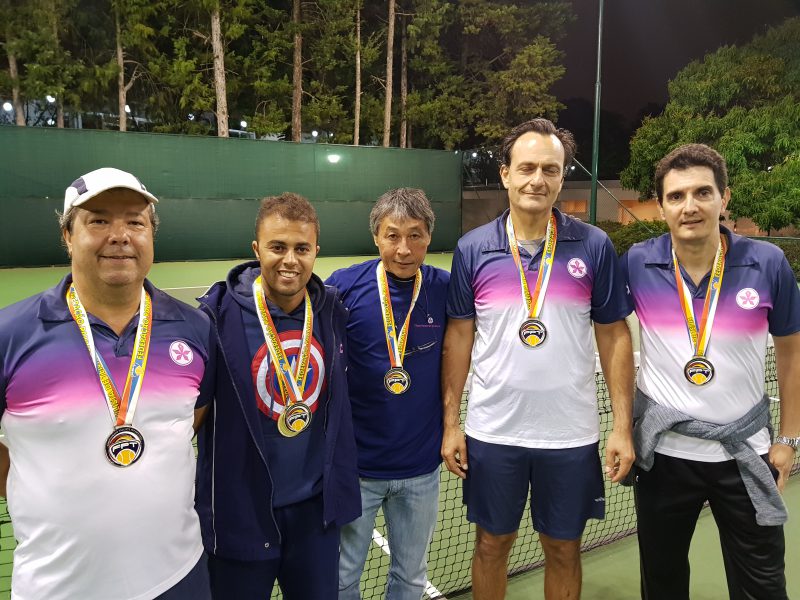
(291,384)
(395,343)
(533,303)
(701,336)
(122,408)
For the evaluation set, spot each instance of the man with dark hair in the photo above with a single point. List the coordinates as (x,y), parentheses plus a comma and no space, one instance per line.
(702,418)
(102,379)
(534,282)
(395,331)
(277,460)
(543,127)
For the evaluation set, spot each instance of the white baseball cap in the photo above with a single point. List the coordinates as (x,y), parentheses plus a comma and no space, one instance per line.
(90,185)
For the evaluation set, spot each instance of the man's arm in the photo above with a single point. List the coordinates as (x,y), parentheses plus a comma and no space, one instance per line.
(5,466)
(458,338)
(199,417)
(616,359)
(787,357)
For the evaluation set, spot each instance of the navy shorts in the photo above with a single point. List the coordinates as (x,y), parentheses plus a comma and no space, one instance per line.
(566,487)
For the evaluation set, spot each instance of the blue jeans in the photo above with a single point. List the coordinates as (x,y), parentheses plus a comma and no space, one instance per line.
(410,507)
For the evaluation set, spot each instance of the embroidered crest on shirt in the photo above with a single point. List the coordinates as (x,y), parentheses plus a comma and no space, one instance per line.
(181,353)
(747,298)
(576,268)
(265,379)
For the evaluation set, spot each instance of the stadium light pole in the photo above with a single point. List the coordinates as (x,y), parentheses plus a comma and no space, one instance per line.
(596,129)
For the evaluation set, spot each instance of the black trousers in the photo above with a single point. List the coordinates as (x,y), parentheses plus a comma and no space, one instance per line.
(669,498)
(307,568)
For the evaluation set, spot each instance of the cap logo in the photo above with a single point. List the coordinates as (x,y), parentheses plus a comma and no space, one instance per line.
(80,185)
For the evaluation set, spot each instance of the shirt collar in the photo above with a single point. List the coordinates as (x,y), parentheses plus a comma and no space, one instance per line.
(53,305)
(739,254)
(568,230)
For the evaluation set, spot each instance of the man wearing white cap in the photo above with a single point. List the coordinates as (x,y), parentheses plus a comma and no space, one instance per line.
(99,384)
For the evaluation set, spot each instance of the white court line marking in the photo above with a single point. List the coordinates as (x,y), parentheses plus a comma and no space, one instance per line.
(383,544)
(188,287)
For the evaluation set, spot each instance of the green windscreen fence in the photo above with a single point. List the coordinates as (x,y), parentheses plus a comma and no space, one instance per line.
(210,188)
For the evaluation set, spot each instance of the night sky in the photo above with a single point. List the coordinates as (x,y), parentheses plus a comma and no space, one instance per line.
(645,44)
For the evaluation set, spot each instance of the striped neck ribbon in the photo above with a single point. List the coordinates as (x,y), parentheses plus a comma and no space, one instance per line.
(535,301)
(291,384)
(395,343)
(122,407)
(700,335)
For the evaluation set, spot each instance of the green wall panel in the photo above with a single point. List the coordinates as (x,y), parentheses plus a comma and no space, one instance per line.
(210,188)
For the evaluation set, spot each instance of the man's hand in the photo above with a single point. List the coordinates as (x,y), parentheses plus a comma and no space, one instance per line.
(454,451)
(619,454)
(458,338)
(781,457)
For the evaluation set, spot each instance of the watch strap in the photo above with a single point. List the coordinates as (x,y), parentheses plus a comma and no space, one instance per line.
(792,442)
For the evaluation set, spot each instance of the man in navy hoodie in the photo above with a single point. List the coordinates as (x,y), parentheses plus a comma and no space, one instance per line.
(277,472)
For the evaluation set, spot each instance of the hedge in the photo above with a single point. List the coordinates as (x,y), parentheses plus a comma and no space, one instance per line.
(625,236)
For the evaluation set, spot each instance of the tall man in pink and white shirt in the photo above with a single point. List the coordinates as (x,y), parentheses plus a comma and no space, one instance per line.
(707,299)
(534,283)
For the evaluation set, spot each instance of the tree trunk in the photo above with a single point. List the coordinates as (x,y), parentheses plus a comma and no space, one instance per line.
(57,46)
(59,113)
(357,110)
(122,92)
(403,84)
(297,75)
(19,115)
(387,108)
(219,72)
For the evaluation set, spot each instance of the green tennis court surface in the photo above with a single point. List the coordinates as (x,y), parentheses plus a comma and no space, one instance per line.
(611,571)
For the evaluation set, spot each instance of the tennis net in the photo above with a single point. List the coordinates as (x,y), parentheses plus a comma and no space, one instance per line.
(451,549)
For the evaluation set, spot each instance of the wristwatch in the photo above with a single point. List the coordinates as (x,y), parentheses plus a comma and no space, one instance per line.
(792,442)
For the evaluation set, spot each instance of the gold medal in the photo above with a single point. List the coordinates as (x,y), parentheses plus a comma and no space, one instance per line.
(294,419)
(532,332)
(699,371)
(296,415)
(124,446)
(397,380)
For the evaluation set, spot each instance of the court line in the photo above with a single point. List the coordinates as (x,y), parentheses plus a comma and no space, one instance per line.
(383,544)
(188,287)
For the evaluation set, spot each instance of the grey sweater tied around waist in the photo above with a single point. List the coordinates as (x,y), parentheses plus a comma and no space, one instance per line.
(651,420)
